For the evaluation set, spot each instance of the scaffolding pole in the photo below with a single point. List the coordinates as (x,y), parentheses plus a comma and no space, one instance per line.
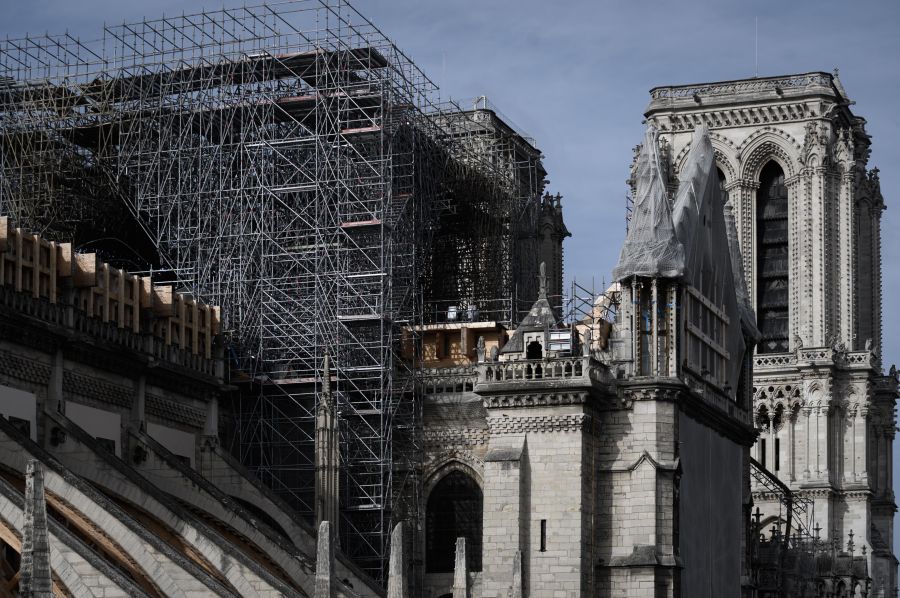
(289,163)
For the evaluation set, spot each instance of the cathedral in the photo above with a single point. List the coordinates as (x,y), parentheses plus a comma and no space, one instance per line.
(722,425)
(717,423)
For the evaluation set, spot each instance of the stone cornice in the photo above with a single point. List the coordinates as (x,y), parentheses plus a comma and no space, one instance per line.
(573,422)
(731,117)
(445,436)
(555,399)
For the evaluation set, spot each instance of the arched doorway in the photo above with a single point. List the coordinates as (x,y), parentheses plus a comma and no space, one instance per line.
(455,508)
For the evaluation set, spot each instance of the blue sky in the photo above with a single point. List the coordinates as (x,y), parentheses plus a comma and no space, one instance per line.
(575,75)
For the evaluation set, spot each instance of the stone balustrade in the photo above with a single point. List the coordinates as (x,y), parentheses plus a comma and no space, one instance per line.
(66,316)
(743,86)
(865,358)
(535,369)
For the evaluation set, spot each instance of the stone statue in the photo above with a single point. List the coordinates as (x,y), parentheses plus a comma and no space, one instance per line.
(542,280)
(480,349)
(893,371)
(495,353)
(586,342)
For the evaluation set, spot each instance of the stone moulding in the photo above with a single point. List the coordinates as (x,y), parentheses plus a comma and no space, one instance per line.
(818,79)
(447,436)
(542,423)
(536,400)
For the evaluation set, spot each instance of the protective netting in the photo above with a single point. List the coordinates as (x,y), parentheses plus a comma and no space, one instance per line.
(700,226)
(748,316)
(651,247)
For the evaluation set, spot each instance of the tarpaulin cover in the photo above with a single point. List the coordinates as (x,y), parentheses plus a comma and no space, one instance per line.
(700,226)
(651,247)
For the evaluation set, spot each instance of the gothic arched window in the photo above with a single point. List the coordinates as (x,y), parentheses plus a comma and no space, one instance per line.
(454,510)
(772,260)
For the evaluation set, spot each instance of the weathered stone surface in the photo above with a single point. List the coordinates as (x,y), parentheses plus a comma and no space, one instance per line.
(36,577)
(398,585)
(460,571)
(325,562)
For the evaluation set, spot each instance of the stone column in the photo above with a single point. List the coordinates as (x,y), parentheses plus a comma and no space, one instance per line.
(139,404)
(503,512)
(792,422)
(770,456)
(636,330)
(854,418)
(863,449)
(818,439)
(55,402)
(807,414)
(654,352)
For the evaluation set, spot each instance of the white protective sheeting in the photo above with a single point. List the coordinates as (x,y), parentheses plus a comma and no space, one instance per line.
(651,247)
(748,316)
(699,221)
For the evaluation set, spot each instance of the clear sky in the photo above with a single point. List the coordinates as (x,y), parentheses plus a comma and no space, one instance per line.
(575,75)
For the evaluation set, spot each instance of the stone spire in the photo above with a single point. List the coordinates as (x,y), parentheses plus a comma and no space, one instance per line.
(542,281)
(324,562)
(397,582)
(327,454)
(551,233)
(35,574)
(460,571)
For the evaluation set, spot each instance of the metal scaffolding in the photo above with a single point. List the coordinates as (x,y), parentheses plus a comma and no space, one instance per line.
(290,164)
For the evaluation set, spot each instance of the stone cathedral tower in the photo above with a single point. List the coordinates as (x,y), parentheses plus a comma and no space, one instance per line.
(793,161)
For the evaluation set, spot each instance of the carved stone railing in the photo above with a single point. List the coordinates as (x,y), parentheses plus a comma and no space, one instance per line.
(820,355)
(532,369)
(582,368)
(774,359)
(865,358)
(66,316)
(743,86)
(449,380)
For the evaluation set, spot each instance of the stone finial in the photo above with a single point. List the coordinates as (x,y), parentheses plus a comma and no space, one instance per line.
(397,583)
(327,454)
(460,571)
(35,574)
(324,562)
(516,590)
(480,349)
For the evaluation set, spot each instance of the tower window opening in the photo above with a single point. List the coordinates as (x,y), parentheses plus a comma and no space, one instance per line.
(777,454)
(772,283)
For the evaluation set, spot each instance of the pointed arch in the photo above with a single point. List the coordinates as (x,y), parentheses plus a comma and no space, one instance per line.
(454,509)
(766,145)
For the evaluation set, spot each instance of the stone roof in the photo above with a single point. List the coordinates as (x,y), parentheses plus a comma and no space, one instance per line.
(540,317)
